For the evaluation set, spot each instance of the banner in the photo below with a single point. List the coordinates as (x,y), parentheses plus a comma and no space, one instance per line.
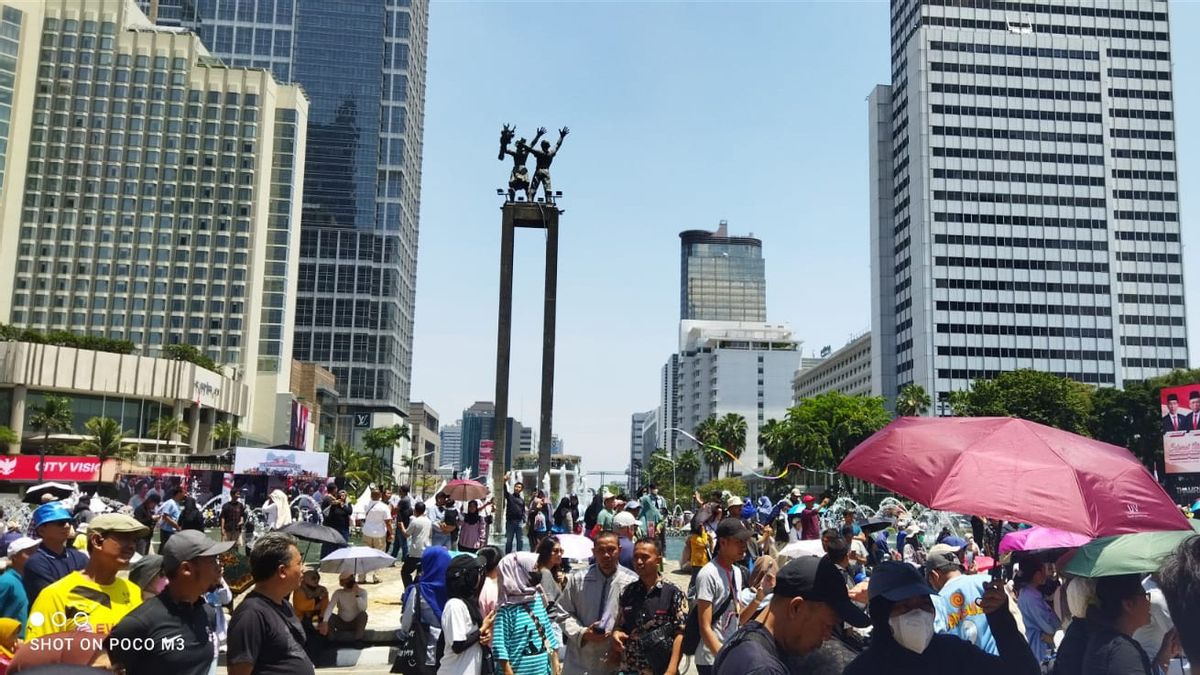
(485,459)
(300,425)
(25,467)
(1181,428)
(277,462)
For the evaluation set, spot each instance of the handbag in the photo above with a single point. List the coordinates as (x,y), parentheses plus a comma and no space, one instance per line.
(413,652)
(555,666)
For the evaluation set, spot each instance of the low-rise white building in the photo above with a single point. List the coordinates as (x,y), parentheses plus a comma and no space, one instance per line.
(848,370)
(736,367)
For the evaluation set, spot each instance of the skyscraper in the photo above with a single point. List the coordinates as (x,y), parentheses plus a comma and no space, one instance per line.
(1024,202)
(150,193)
(362,64)
(722,278)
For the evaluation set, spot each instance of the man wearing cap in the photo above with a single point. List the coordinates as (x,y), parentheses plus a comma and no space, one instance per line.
(717,587)
(14,604)
(94,599)
(957,612)
(587,609)
(53,559)
(604,520)
(625,525)
(810,600)
(810,517)
(147,574)
(180,625)
(903,639)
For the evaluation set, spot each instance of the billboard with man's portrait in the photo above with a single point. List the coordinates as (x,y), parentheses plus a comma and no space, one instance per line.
(1181,428)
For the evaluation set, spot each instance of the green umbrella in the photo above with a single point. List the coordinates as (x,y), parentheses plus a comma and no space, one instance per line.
(1140,553)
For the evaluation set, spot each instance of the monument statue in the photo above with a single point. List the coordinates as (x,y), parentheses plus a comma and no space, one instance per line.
(519,178)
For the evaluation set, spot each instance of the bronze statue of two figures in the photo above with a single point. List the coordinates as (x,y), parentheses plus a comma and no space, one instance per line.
(519,180)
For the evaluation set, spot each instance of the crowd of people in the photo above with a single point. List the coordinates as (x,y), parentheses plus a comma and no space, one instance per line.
(770,587)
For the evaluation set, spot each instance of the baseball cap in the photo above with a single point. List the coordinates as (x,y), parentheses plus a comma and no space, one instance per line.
(189,545)
(633,504)
(116,522)
(734,501)
(913,528)
(22,544)
(144,570)
(818,580)
(624,519)
(796,492)
(942,557)
(897,581)
(54,512)
(733,527)
(808,499)
(955,542)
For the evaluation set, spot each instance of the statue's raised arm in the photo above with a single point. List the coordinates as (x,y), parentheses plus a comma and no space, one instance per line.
(506,136)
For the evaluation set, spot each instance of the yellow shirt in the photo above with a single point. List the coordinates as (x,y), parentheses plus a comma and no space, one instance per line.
(78,603)
(699,544)
(306,608)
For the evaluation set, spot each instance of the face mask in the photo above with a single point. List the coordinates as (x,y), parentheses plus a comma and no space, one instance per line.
(913,629)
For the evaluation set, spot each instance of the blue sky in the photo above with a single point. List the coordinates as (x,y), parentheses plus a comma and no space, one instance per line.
(681,114)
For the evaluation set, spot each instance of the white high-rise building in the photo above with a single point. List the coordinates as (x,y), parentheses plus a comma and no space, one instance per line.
(735,367)
(1025,209)
(150,193)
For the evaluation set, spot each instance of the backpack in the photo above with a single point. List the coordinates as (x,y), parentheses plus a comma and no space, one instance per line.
(413,652)
(190,518)
(691,625)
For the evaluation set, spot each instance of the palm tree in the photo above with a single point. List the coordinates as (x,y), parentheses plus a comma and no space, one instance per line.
(227,433)
(340,457)
(8,436)
(53,416)
(709,433)
(107,440)
(731,429)
(167,426)
(774,437)
(912,401)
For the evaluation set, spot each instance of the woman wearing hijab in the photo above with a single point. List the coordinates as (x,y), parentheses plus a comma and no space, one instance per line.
(465,631)
(564,519)
(276,510)
(574,504)
(902,638)
(431,594)
(471,530)
(522,638)
(592,514)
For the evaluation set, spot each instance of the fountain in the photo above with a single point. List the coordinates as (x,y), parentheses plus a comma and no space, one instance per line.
(16,511)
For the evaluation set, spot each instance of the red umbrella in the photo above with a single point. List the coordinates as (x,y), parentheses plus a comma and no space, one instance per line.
(462,490)
(1014,469)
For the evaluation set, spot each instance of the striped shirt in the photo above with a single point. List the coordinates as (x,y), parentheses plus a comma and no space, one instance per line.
(516,638)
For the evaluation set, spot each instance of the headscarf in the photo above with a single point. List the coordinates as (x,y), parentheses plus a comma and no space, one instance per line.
(592,514)
(749,512)
(432,582)
(283,515)
(1079,595)
(472,518)
(516,585)
(564,507)
(462,582)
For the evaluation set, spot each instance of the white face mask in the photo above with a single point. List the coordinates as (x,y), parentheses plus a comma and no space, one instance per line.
(913,629)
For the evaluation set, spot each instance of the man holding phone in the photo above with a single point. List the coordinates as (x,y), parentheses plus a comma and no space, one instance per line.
(587,609)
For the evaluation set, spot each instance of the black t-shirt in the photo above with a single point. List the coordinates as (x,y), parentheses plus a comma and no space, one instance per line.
(751,651)
(338,516)
(164,636)
(231,515)
(269,636)
(1112,653)
(404,510)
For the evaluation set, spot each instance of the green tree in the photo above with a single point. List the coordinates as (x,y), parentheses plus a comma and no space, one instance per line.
(226,434)
(734,486)
(107,440)
(912,401)
(340,457)
(379,439)
(709,433)
(822,430)
(167,426)
(1132,417)
(8,437)
(731,430)
(676,487)
(186,352)
(1044,398)
(53,416)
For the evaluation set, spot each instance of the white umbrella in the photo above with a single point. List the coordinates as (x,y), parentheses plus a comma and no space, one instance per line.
(356,560)
(575,546)
(801,549)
